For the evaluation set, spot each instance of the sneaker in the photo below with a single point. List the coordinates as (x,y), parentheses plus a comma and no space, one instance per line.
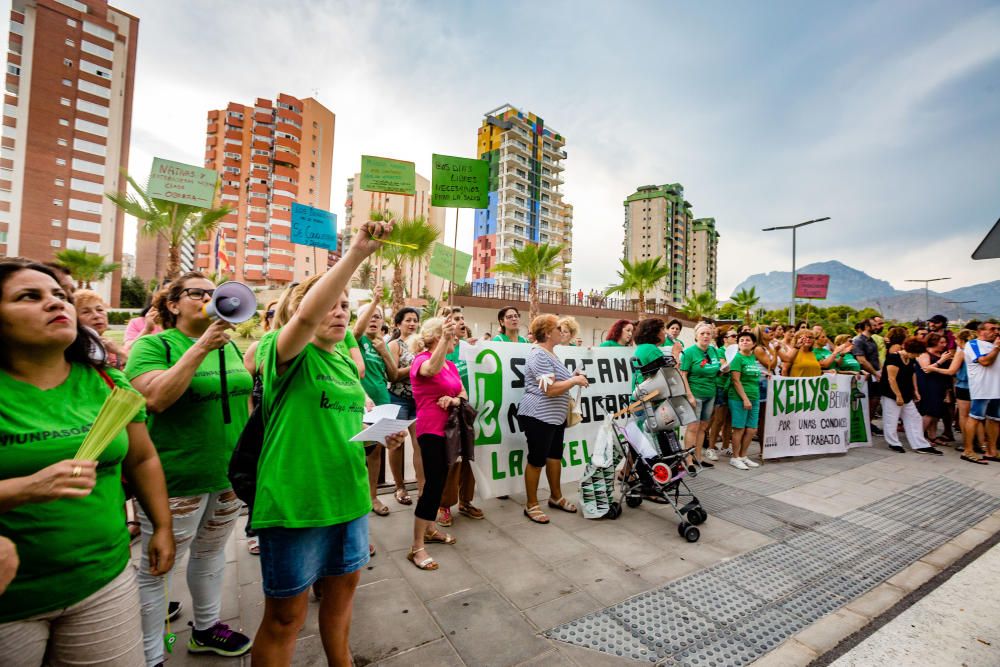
(444,517)
(738,463)
(930,450)
(897,449)
(728,451)
(219,639)
(705,464)
(711,455)
(173,610)
(748,463)
(876,430)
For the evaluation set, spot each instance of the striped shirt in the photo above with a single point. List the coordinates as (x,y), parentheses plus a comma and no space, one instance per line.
(534,403)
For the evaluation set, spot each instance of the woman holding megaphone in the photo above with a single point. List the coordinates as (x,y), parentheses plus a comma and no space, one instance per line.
(197,393)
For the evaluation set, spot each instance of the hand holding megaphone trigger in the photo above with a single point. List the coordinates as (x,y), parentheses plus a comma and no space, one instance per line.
(233,302)
(215,336)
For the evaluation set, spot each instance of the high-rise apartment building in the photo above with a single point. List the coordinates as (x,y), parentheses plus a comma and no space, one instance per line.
(703,248)
(66,124)
(268,155)
(658,224)
(359,206)
(526,202)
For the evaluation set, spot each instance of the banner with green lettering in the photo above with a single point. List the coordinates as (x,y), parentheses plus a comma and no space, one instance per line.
(814,415)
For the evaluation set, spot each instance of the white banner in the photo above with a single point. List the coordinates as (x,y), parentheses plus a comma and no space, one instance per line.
(814,415)
(496,384)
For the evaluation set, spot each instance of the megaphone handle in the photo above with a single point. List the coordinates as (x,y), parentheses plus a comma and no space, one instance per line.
(227,417)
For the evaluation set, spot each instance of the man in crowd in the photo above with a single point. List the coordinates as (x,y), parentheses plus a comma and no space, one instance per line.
(939,324)
(984,386)
(865,350)
(877,325)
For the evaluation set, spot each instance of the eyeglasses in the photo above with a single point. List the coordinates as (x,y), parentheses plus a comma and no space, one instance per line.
(196,293)
(269,313)
(731,335)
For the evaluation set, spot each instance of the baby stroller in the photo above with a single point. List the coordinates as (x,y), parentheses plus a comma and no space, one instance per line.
(656,464)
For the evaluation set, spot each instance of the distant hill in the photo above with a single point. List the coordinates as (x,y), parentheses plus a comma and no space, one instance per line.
(852,287)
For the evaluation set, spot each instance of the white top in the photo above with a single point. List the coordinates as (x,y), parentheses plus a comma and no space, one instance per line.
(984,381)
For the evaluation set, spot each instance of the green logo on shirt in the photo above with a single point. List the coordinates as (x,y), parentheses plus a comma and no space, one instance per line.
(487,378)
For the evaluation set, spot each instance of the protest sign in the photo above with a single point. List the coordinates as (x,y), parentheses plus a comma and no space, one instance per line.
(811,285)
(459,182)
(314,227)
(382,174)
(496,384)
(809,415)
(180,183)
(441,263)
(861,432)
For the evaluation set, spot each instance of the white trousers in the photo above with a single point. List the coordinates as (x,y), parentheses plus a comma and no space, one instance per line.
(913,424)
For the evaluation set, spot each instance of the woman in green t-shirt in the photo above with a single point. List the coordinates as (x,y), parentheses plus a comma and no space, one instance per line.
(313,403)
(744,400)
(74,597)
(194,422)
(700,365)
(620,334)
(509,318)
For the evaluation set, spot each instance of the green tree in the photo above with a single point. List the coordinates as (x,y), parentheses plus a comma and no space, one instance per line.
(639,277)
(729,311)
(531,263)
(85,267)
(418,237)
(746,300)
(175,222)
(700,305)
(364,278)
(133,293)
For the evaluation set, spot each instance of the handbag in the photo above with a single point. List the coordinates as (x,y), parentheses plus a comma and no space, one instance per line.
(573,414)
(460,433)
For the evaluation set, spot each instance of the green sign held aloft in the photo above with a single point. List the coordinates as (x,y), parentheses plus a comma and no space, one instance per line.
(458,182)
(441,263)
(182,183)
(382,174)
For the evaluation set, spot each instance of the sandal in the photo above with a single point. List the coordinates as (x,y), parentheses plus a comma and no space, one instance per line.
(436,536)
(974,459)
(562,504)
(995,459)
(371,550)
(471,511)
(253,545)
(379,508)
(536,514)
(402,497)
(426,564)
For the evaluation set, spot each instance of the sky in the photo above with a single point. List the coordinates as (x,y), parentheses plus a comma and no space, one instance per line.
(882,115)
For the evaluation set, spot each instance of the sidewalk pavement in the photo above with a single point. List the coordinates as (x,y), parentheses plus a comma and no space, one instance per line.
(507,581)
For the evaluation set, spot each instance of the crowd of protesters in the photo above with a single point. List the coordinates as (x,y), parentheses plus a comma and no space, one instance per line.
(72,595)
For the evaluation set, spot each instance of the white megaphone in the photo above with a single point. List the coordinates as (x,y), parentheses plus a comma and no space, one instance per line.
(233,302)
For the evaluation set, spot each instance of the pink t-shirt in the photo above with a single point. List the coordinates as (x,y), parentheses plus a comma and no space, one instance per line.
(134,330)
(427,390)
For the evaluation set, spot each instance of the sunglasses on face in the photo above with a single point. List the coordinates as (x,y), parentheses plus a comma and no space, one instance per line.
(197,293)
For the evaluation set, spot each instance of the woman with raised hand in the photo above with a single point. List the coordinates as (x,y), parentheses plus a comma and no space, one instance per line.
(313,403)
(74,598)
(767,359)
(620,334)
(802,360)
(541,414)
(407,321)
(195,420)
(845,362)
(933,386)
(509,319)
(437,388)
(963,400)
(700,364)
(744,400)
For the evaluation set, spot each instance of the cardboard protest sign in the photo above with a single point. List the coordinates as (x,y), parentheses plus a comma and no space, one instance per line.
(441,263)
(811,285)
(314,227)
(382,174)
(182,183)
(459,182)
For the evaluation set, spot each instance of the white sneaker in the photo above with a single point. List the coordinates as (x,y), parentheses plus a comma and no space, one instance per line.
(738,464)
(750,464)
(711,455)
(728,451)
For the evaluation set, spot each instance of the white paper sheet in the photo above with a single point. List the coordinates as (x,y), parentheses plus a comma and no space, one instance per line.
(387,411)
(382,429)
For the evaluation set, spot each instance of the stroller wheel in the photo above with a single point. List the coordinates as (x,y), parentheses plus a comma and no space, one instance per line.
(614,511)
(633,501)
(681,527)
(691,534)
(697,516)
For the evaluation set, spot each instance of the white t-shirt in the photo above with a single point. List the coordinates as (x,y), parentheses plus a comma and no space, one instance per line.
(984,381)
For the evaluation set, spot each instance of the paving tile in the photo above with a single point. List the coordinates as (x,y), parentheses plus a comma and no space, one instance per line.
(789,654)
(485,630)
(912,577)
(971,538)
(945,555)
(828,632)
(605,579)
(553,545)
(590,658)
(877,600)
(666,569)
(434,654)
(616,541)
(388,618)
(562,609)
(522,578)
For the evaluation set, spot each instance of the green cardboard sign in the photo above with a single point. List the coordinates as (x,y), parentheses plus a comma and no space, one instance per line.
(441,263)
(458,182)
(182,183)
(382,174)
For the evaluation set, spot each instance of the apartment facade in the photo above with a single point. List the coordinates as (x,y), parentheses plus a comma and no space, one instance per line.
(526,202)
(66,126)
(703,250)
(658,224)
(269,155)
(359,205)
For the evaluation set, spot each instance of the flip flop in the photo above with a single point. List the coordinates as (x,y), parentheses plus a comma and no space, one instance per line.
(379,508)
(973,459)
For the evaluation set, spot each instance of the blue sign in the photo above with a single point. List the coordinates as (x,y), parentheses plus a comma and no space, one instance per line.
(314,227)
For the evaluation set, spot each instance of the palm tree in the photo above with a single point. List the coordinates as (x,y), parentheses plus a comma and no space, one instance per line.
(700,305)
(365,277)
(85,267)
(419,236)
(175,222)
(640,277)
(745,301)
(532,262)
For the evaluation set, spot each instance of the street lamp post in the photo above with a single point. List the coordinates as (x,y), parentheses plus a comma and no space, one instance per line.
(794,228)
(926,281)
(957,303)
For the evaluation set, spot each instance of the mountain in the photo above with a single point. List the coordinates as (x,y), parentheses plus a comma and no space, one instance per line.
(855,288)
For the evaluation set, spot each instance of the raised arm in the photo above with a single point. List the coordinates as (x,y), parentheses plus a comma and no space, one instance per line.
(433,366)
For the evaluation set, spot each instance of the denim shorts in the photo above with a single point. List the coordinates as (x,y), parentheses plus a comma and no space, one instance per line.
(763,391)
(703,408)
(407,406)
(292,559)
(744,418)
(985,408)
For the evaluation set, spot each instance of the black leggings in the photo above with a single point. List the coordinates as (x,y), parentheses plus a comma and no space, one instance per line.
(435,473)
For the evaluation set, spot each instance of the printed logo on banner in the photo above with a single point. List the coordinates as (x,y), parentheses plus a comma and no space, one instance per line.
(489,397)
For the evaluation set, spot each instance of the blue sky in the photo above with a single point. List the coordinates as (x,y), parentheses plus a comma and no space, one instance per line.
(882,115)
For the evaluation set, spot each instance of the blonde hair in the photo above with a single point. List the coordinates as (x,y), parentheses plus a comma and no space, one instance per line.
(542,326)
(430,331)
(570,323)
(965,335)
(82,298)
(840,340)
(298,293)
(802,333)
(415,343)
(701,326)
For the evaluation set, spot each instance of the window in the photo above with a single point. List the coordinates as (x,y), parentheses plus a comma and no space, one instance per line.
(70,43)
(3,237)
(98,31)
(67,82)
(89,246)
(87,186)
(96,70)
(89,147)
(55,243)
(85,206)
(91,107)
(64,101)
(88,167)
(60,182)
(13,69)
(93,89)
(83,226)
(95,50)
(62,142)
(56,222)
(71,23)
(64,122)
(57,202)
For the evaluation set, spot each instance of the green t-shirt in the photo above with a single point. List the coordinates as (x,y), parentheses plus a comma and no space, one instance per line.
(748,368)
(348,342)
(375,381)
(193,442)
(702,367)
(610,343)
(455,357)
(310,474)
(502,338)
(821,353)
(72,547)
(644,354)
(849,363)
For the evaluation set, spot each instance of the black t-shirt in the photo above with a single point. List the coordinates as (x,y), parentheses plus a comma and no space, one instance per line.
(904,377)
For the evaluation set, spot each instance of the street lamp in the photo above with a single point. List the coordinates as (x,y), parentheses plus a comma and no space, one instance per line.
(925,281)
(957,303)
(794,228)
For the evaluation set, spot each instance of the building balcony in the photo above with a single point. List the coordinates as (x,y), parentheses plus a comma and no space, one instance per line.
(286,158)
(288,129)
(515,147)
(285,142)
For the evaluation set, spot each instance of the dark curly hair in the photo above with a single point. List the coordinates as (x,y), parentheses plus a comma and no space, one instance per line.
(914,346)
(172,294)
(615,332)
(649,330)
